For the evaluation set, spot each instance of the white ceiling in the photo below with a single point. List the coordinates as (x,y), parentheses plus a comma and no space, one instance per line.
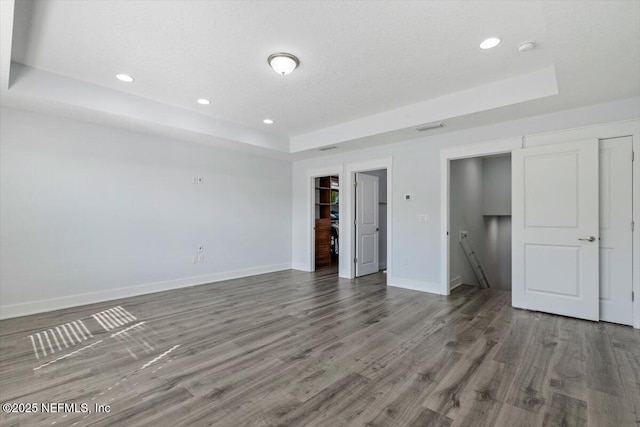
(360,61)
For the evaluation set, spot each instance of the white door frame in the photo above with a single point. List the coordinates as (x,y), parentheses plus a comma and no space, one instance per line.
(604,131)
(446,156)
(311,209)
(347,230)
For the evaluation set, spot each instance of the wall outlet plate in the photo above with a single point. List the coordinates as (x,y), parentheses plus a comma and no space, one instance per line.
(200,248)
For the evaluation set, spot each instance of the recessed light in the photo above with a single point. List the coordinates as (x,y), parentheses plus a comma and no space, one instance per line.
(124,78)
(490,43)
(283,63)
(203,101)
(267,121)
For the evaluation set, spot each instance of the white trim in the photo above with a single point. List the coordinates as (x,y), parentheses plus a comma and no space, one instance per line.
(16,310)
(414,285)
(603,131)
(606,131)
(455,282)
(312,174)
(347,249)
(446,155)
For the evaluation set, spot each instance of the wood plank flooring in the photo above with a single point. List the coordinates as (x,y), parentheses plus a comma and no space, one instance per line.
(310,349)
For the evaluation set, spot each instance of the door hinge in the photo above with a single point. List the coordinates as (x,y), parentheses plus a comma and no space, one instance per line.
(633,226)
(633,156)
(355,184)
(632,296)
(355,260)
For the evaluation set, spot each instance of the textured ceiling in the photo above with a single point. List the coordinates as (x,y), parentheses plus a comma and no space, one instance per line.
(357,58)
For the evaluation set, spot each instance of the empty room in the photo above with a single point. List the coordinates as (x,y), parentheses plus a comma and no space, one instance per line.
(319,213)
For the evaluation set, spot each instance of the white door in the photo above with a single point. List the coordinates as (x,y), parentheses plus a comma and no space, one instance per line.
(615,231)
(367,224)
(555,229)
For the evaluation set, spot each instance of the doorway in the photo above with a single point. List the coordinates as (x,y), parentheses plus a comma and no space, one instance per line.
(561,263)
(327,221)
(370,232)
(480,222)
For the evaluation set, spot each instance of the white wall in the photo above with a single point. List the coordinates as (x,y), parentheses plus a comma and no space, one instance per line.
(90,213)
(416,169)
(465,213)
(382,218)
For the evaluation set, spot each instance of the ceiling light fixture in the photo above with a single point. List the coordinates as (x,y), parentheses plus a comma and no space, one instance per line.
(283,63)
(124,78)
(203,101)
(267,121)
(489,43)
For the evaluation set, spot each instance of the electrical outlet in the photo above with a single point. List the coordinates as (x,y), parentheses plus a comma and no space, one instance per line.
(200,258)
(200,249)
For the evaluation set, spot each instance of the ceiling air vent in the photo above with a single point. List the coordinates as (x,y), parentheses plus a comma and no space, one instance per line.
(430,126)
(333,147)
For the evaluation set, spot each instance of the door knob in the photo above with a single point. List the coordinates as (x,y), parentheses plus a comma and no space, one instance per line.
(589,239)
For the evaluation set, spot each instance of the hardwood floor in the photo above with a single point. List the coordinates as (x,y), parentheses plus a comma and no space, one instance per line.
(309,349)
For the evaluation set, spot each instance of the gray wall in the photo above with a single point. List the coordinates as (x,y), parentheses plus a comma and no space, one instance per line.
(498,268)
(91,212)
(496,195)
(465,207)
(496,185)
(382,240)
(480,203)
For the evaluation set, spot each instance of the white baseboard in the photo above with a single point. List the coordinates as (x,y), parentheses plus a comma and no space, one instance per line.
(455,282)
(415,285)
(41,306)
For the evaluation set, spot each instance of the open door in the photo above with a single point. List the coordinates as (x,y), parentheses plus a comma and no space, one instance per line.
(367,224)
(555,229)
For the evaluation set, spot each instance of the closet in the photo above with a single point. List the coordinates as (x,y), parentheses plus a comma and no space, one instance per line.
(327,219)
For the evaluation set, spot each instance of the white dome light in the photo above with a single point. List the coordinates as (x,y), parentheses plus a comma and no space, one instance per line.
(267,121)
(124,78)
(490,43)
(283,63)
(203,101)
